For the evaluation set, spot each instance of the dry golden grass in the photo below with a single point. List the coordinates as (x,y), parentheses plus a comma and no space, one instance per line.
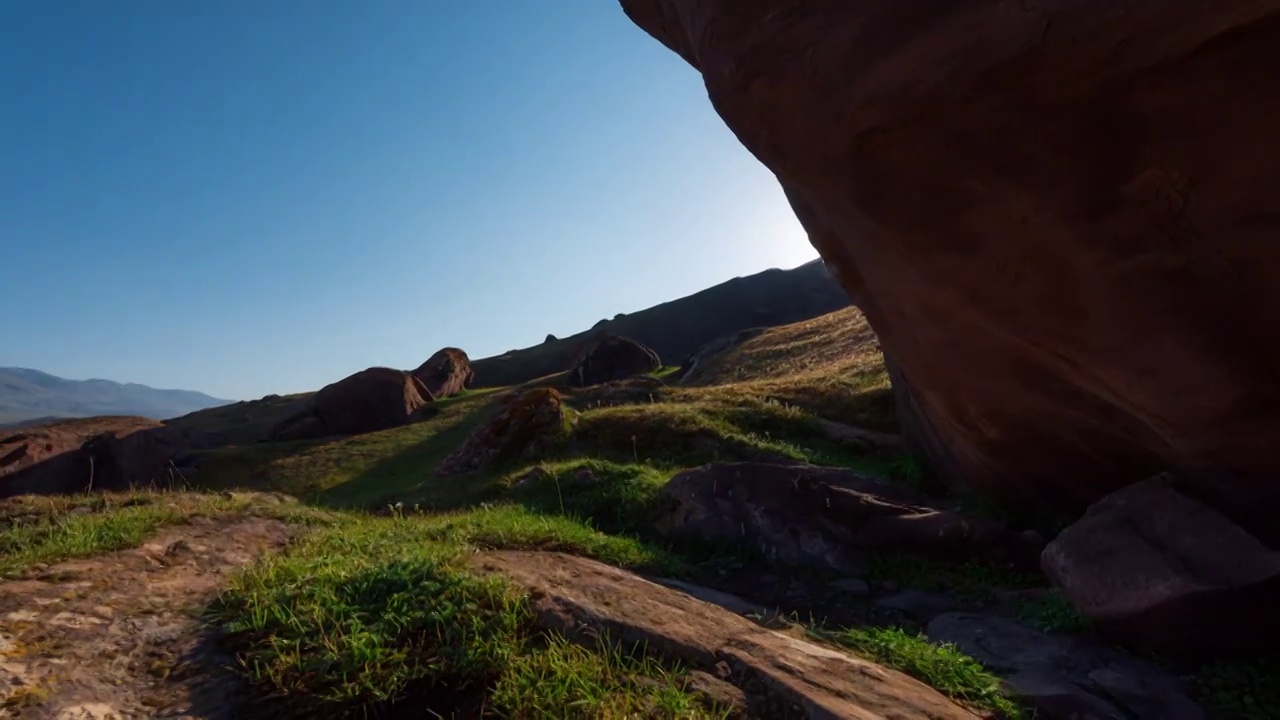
(831,366)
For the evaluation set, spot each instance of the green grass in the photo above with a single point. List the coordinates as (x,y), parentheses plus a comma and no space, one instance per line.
(374,610)
(357,471)
(1053,613)
(37,530)
(942,667)
(1239,690)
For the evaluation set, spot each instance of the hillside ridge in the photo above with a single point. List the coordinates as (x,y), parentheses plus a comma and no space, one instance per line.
(28,396)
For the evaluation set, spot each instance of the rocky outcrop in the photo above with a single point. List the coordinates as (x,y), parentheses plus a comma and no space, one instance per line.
(587,601)
(375,399)
(1155,568)
(612,358)
(824,517)
(101,453)
(529,424)
(445,374)
(1056,216)
(1063,677)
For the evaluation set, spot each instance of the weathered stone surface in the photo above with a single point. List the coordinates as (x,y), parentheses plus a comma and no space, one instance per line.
(819,516)
(1066,677)
(1147,563)
(584,599)
(530,423)
(375,399)
(99,453)
(1057,216)
(445,374)
(612,358)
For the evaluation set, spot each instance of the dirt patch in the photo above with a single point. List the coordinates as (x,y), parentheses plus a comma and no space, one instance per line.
(117,636)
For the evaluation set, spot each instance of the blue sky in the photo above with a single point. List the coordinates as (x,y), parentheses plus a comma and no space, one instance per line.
(250,197)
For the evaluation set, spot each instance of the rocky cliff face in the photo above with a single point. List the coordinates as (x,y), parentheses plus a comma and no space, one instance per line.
(1059,217)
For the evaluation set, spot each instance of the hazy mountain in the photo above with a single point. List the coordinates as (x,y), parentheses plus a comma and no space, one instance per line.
(28,395)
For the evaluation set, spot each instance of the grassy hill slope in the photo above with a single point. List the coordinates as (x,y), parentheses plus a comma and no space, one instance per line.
(677,328)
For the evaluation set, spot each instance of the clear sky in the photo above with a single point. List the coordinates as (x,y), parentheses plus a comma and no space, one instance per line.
(246,197)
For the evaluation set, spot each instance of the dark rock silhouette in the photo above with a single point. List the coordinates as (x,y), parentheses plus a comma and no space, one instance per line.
(375,399)
(612,358)
(446,373)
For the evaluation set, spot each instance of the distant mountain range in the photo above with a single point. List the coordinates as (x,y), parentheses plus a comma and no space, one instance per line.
(30,396)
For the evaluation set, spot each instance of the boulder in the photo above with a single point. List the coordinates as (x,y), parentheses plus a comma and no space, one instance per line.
(375,399)
(550,338)
(445,374)
(1064,677)
(70,456)
(612,358)
(135,458)
(528,425)
(1148,563)
(1057,216)
(823,517)
(586,600)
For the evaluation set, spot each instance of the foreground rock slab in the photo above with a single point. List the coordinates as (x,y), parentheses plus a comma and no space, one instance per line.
(114,636)
(1155,568)
(819,516)
(1065,677)
(1057,216)
(583,599)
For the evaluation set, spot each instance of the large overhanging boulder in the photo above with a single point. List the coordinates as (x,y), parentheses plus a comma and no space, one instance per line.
(1059,216)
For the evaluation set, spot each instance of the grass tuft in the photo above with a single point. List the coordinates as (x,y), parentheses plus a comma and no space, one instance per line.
(374,610)
(942,667)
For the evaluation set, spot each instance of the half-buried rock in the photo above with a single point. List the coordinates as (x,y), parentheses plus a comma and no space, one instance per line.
(818,516)
(612,357)
(375,399)
(446,373)
(1155,568)
(824,516)
(529,424)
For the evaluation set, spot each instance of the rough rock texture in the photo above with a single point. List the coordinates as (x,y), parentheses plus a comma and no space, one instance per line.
(1058,216)
(446,373)
(75,455)
(612,358)
(135,458)
(817,516)
(584,599)
(370,400)
(528,425)
(1065,677)
(114,636)
(1147,563)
